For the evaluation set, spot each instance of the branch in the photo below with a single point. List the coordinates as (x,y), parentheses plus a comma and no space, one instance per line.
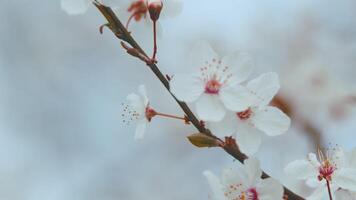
(121,32)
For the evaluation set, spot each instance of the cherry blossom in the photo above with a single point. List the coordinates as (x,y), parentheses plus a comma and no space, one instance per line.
(139,111)
(244,182)
(337,168)
(215,86)
(250,124)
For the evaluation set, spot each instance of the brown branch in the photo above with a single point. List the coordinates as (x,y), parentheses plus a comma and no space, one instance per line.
(121,32)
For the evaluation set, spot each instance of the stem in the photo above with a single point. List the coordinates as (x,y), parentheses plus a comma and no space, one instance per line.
(129,20)
(329,189)
(154,40)
(118,29)
(170,116)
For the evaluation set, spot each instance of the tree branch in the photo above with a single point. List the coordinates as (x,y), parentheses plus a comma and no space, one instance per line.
(121,32)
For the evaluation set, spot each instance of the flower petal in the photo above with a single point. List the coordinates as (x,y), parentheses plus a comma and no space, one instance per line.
(235,98)
(352,158)
(240,64)
(202,53)
(301,169)
(264,88)
(142,91)
(215,185)
(235,175)
(75,7)
(226,127)
(344,195)
(253,170)
(210,108)
(269,189)
(136,103)
(172,8)
(271,120)
(186,88)
(346,178)
(248,138)
(319,193)
(140,129)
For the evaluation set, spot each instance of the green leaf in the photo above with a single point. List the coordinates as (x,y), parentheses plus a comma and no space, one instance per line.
(201,140)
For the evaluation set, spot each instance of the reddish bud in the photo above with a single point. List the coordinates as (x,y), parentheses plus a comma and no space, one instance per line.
(154,8)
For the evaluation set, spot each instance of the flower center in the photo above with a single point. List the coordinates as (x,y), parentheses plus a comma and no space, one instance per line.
(212,87)
(252,194)
(326,170)
(150,113)
(234,193)
(245,115)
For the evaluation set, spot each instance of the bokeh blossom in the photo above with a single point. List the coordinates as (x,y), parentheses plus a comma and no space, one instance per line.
(243,181)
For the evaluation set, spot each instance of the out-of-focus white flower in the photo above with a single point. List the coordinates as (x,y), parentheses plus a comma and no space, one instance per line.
(139,111)
(250,124)
(244,182)
(337,167)
(138,8)
(76,7)
(215,86)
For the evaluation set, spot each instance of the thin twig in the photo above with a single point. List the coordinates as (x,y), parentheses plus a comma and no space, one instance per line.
(119,29)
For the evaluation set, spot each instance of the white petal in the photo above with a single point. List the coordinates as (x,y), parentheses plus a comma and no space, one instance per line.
(301,169)
(172,8)
(210,108)
(344,195)
(142,91)
(215,185)
(226,127)
(235,174)
(136,103)
(240,64)
(269,189)
(186,88)
(248,138)
(202,53)
(264,88)
(313,160)
(253,170)
(140,129)
(271,120)
(319,193)
(235,98)
(352,158)
(346,179)
(75,7)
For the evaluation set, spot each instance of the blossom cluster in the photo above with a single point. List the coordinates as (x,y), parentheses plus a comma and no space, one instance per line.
(230,104)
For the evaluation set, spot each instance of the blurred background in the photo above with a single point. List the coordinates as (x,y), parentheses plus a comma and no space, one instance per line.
(62,85)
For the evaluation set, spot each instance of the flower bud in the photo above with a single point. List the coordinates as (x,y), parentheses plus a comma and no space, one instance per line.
(154,8)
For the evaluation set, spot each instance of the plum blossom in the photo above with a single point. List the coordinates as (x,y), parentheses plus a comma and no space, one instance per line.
(216,84)
(337,167)
(139,111)
(250,124)
(244,182)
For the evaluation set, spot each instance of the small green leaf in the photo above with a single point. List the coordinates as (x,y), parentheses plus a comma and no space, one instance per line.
(202,140)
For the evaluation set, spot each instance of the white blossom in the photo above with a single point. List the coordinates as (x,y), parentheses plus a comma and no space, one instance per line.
(337,167)
(215,85)
(250,124)
(244,182)
(74,7)
(138,111)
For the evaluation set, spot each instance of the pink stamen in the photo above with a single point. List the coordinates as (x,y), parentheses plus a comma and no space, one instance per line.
(212,87)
